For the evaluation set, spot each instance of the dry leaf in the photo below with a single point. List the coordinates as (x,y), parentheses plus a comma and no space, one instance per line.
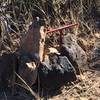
(53,50)
(31,65)
(97,35)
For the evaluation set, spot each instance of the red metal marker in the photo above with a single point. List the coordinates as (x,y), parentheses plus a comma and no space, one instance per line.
(61,28)
(61,33)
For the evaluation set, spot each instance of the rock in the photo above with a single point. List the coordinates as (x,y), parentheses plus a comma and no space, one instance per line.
(34,40)
(31,51)
(24,65)
(94,58)
(27,69)
(74,52)
(58,72)
(97,5)
(7,64)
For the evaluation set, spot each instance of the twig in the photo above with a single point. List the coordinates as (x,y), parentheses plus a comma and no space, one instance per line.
(5,96)
(28,88)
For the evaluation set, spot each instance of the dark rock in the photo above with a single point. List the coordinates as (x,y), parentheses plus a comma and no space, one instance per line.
(74,52)
(57,73)
(28,74)
(7,64)
(97,6)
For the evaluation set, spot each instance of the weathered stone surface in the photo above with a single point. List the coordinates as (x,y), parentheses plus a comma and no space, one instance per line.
(97,2)
(27,69)
(24,65)
(7,64)
(31,51)
(56,73)
(74,52)
(94,58)
(34,40)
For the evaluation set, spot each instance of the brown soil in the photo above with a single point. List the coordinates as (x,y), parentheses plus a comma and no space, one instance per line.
(87,87)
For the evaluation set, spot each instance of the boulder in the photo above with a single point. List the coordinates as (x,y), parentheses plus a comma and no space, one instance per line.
(8,63)
(74,52)
(34,40)
(94,57)
(27,69)
(55,72)
(31,51)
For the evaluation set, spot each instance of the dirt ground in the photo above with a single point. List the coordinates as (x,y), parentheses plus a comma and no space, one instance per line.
(87,87)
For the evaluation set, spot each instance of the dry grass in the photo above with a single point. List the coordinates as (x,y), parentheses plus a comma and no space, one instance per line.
(77,11)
